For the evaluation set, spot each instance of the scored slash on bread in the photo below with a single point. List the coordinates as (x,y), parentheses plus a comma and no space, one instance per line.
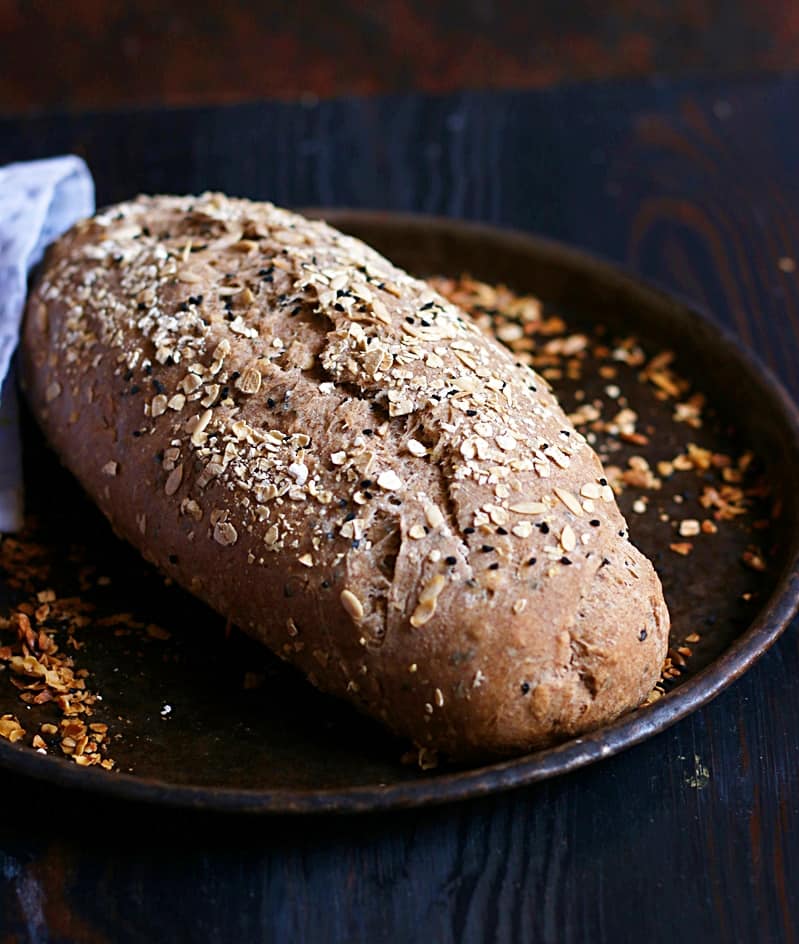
(334,457)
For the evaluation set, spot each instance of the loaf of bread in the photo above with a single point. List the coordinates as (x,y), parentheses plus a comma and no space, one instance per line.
(334,458)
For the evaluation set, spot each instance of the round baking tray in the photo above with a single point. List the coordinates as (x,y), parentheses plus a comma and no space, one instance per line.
(284,748)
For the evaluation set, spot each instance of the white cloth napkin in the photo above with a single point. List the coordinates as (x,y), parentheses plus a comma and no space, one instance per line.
(39,200)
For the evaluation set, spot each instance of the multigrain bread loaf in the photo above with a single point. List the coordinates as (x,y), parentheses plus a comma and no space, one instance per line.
(332,456)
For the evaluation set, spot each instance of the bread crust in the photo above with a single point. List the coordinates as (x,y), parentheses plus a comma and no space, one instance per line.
(332,456)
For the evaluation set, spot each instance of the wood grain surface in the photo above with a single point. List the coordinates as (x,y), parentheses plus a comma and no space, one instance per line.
(691,184)
(94,54)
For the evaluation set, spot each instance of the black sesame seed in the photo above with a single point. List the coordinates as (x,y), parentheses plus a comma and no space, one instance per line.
(235,375)
(603,481)
(525,687)
(494,566)
(134,389)
(471,412)
(642,635)
(594,522)
(543,527)
(270,403)
(325,585)
(531,561)
(450,561)
(351,516)
(368,432)
(159,387)
(468,530)
(565,560)
(486,549)
(501,531)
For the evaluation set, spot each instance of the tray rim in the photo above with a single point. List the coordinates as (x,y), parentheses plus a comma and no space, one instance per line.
(631,729)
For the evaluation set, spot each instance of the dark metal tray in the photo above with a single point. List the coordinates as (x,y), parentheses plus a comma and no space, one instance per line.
(282,747)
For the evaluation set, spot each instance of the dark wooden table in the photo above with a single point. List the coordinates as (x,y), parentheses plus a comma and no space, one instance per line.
(694,185)
(96,54)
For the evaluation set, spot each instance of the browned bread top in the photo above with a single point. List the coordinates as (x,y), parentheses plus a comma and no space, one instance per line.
(333,456)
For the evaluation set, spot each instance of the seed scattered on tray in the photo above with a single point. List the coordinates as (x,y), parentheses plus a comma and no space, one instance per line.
(35,637)
(42,641)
